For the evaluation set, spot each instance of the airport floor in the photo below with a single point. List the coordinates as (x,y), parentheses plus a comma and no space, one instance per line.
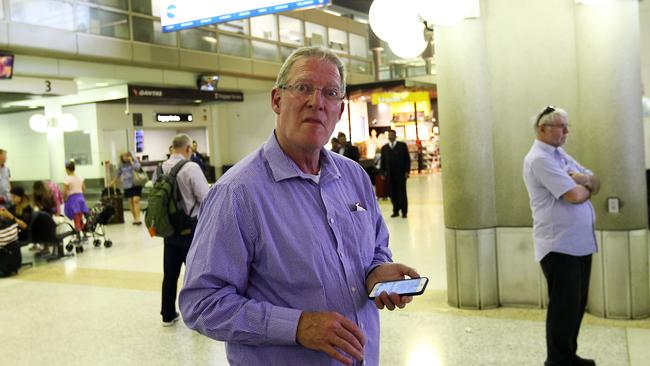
(101,308)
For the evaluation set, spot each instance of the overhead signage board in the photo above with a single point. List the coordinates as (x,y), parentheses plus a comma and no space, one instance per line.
(41,86)
(159,95)
(182,14)
(173,117)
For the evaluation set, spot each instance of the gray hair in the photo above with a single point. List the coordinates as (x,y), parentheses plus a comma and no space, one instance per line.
(548,117)
(181,140)
(310,52)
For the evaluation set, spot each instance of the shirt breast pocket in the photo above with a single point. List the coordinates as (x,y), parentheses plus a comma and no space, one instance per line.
(364,234)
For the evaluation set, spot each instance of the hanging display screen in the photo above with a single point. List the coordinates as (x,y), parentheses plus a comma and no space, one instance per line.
(6,65)
(176,14)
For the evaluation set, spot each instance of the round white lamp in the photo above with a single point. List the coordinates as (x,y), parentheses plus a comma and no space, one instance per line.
(38,123)
(67,122)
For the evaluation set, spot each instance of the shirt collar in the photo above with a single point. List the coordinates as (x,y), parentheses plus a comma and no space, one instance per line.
(546,147)
(282,167)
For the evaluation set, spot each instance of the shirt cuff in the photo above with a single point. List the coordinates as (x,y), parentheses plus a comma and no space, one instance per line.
(283,324)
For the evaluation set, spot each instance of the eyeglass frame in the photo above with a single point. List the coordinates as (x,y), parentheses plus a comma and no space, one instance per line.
(312,89)
(562,126)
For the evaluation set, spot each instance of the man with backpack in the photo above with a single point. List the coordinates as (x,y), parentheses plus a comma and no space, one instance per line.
(179,189)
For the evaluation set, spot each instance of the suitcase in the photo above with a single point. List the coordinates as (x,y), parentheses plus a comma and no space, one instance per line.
(381,186)
(10,259)
(113,197)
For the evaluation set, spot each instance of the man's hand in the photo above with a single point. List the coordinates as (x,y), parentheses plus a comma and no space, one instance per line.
(390,272)
(331,333)
(579,178)
(588,181)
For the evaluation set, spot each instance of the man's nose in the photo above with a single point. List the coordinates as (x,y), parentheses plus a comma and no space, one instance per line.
(316,98)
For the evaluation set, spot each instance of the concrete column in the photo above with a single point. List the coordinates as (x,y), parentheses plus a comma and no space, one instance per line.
(468,175)
(55,145)
(611,142)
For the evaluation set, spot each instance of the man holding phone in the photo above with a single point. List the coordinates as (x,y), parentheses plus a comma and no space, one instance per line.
(291,240)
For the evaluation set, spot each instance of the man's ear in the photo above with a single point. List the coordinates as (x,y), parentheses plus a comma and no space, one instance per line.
(342,108)
(275,100)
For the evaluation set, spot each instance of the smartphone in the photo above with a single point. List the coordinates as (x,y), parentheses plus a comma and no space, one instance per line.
(407,287)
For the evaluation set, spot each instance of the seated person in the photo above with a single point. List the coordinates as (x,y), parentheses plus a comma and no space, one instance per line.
(19,212)
(43,199)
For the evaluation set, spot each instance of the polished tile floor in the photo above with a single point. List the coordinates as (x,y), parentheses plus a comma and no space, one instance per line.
(101,308)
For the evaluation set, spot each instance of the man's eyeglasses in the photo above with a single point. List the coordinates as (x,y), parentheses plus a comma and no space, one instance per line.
(561,125)
(548,110)
(331,93)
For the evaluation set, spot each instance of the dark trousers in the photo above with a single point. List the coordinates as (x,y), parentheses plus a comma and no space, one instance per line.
(567,277)
(398,194)
(176,248)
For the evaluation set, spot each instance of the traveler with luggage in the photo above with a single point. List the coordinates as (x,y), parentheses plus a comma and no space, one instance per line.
(129,172)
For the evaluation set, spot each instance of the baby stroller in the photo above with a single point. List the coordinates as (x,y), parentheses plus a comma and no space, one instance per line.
(96,218)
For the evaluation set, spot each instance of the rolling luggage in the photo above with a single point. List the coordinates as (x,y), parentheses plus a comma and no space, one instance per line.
(381,186)
(113,197)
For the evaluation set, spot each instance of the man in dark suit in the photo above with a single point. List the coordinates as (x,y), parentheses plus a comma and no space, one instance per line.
(347,149)
(395,166)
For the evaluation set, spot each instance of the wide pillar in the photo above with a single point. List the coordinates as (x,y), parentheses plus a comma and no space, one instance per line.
(468,175)
(611,144)
(55,144)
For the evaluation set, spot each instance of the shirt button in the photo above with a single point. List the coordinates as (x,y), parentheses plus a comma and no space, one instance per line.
(354,289)
(331,220)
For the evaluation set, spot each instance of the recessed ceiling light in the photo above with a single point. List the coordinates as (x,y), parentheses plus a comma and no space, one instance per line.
(33,106)
(101,84)
(198,101)
(79,82)
(209,39)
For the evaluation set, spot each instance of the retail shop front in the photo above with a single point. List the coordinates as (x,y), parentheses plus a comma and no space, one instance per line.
(408,108)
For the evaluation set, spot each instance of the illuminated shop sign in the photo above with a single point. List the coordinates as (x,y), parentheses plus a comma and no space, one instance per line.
(173,117)
(400,97)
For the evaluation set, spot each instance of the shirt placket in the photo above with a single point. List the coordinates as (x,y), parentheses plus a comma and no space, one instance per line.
(348,281)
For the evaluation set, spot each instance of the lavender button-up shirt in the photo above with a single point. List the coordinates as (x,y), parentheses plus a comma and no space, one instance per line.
(558,225)
(271,243)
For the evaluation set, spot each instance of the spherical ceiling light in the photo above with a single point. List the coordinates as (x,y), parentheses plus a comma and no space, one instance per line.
(409,48)
(67,122)
(380,18)
(38,123)
(444,13)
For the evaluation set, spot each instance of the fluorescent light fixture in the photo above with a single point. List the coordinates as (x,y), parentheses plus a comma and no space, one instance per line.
(332,12)
(209,39)
(33,106)
(101,84)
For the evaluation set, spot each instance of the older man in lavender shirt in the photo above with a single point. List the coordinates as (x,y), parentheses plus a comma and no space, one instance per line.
(563,232)
(291,239)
